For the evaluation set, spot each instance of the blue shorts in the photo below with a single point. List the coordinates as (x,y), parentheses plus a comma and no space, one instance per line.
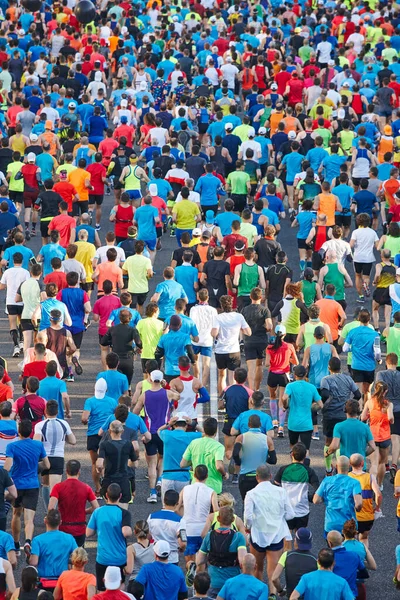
(193,544)
(270,548)
(134,194)
(151,244)
(203,350)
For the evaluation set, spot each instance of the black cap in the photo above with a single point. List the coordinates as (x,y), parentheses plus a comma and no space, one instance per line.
(300,371)
(319,332)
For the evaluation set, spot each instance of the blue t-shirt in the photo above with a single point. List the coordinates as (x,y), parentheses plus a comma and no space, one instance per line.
(188,325)
(85,111)
(241,423)
(273,218)
(52,388)
(224,221)
(144,217)
(175,444)
(53,549)
(132,422)
(91,233)
(50,251)
(301,396)
(332,165)
(316,157)
(108,521)
(319,585)
(163,188)
(187,276)
(26,455)
(169,291)
(338,494)
(74,299)
(7,221)
(347,563)
(220,576)
(135,316)
(362,340)
(365,201)
(161,581)
(173,343)
(27,254)
(117,383)
(45,163)
(46,307)
(305,219)
(354,436)
(275,204)
(345,194)
(7,544)
(208,187)
(244,587)
(293,166)
(100,409)
(384,171)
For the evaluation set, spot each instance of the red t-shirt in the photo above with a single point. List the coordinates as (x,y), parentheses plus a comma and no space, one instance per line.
(280,359)
(97,171)
(229,242)
(38,405)
(110,595)
(72,496)
(63,224)
(125,130)
(296,90)
(37,369)
(29,172)
(107,147)
(67,192)
(57,277)
(395,211)
(281,79)
(12,113)
(6,392)
(104,307)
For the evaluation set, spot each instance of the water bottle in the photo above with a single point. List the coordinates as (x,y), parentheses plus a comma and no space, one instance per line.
(377,349)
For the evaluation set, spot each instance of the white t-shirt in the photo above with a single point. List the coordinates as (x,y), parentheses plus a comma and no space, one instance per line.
(13,278)
(365,238)
(229,326)
(196,506)
(230,72)
(54,432)
(205,318)
(324,49)
(253,145)
(160,134)
(101,254)
(165,526)
(193,196)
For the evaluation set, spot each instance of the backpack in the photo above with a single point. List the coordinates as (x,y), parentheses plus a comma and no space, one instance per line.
(27,412)
(183,139)
(219,555)
(204,116)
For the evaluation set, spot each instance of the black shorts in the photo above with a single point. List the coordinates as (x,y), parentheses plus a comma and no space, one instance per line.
(255,350)
(302,245)
(305,438)
(27,499)
(14,309)
(381,296)
(17,197)
(384,444)
(77,337)
(138,299)
(395,426)
(270,548)
(356,180)
(363,268)
(297,523)
(56,466)
(101,571)
(277,379)
(242,302)
(229,361)
(343,220)
(363,376)
(364,526)
(204,209)
(240,201)
(93,442)
(44,228)
(154,446)
(124,484)
(226,429)
(96,199)
(78,208)
(88,286)
(316,261)
(26,325)
(328,425)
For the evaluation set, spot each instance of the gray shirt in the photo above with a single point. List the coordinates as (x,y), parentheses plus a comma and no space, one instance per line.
(392,380)
(341,388)
(27,119)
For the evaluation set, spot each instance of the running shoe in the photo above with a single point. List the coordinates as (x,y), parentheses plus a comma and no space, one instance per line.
(366,289)
(392,471)
(315,435)
(27,550)
(235,478)
(280,432)
(275,424)
(70,377)
(158,486)
(77,365)
(27,235)
(16,352)
(329,473)
(98,227)
(231,467)
(21,347)
(361,299)
(33,233)
(152,499)
(190,573)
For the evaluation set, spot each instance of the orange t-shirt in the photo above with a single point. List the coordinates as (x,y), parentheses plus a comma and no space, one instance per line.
(111,271)
(78,177)
(327,205)
(330,311)
(74,584)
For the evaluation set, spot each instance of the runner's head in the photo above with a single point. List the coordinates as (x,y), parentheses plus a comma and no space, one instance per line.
(298,452)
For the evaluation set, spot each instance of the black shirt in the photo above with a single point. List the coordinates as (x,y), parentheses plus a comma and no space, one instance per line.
(116,454)
(49,202)
(5,159)
(5,482)
(255,316)
(216,271)
(69,145)
(298,563)
(165,163)
(276,276)
(195,166)
(120,338)
(266,251)
(178,256)
(35,149)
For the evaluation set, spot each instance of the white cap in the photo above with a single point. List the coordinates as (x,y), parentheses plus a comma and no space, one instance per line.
(31,157)
(292,135)
(228,126)
(33,137)
(100,388)
(213,19)
(112,578)
(331,63)
(180,416)
(346,84)
(280,329)
(124,103)
(274,86)
(156,375)
(72,105)
(21,31)
(161,548)
(124,29)
(143,85)
(196,231)
(262,131)
(78,57)
(175,18)
(398,271)
(153,189)
(251,132)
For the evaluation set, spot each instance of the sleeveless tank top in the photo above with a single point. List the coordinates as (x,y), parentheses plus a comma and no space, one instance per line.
(132,182)
(234,262)
(143,556)
(387,276)
(385,145)
(336,278)
(138,80)
(123,220)
(320,355)
(290,314)
(57,342)
(197,503)
(321,235)
(367,511)
(260,72)
(254,451)
(260,228)
(308,288)
(327,207)
(18,144)
(275,118)
(362,163)
(219,160)
(248,79)
(157,409)
(187,400)
(248,279)
(379,422)
(309,329)
(290,124)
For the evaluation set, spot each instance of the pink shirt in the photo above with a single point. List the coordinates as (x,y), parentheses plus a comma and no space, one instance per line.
(104,307)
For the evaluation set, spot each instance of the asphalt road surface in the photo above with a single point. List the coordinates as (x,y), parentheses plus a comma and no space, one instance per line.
(384,536)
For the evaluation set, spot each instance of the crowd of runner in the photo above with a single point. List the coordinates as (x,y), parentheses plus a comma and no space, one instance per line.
(212,123)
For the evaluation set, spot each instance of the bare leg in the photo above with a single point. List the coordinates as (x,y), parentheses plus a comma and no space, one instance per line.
(388,313)
(28,339)
(359,284)
(375,314)
(95,475)
(205,370)
(221,381)
(29,516)
(196,367)
(272,561)
(152,470)
(251,375)
(395,449)
(259,375)
(16,524)
(104,351)
(383,458)
(230,377)
(229,442)
(259,556)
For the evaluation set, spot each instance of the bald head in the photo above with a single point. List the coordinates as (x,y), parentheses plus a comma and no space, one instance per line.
(85,218)
(357,461)
(343,465)
(249,564)
(335,539)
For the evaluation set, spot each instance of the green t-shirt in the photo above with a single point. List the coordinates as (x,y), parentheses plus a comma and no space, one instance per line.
(137,267)
(237,181)
(16,185)
(207,451)
(305,53)
(354,436)
(30,292)
(250,232)
(325,134)
(150,331)
(186,212)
